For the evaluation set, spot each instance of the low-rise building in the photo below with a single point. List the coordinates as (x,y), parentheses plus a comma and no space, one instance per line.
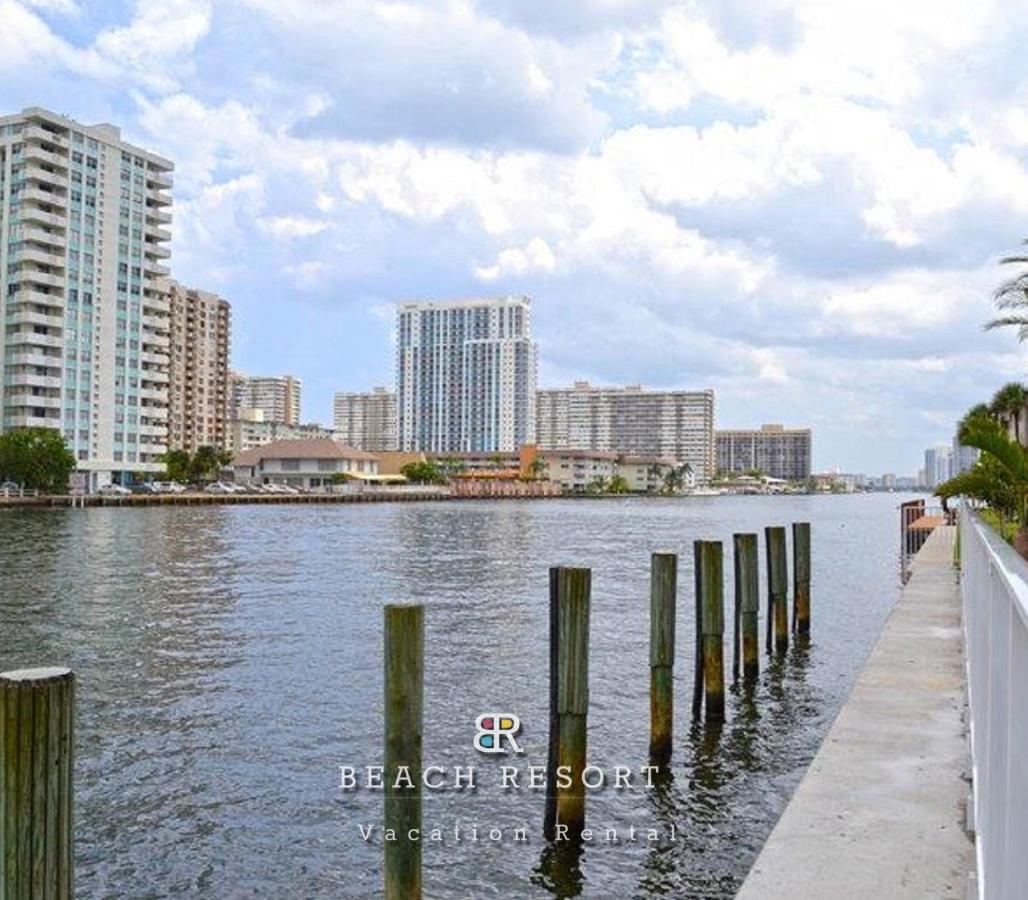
(579,471)
(252,430)
(303,463)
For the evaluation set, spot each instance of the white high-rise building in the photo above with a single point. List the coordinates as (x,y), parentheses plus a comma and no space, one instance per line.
(630,420)
(84,291)
(937,465)
(366,420)
(465,375)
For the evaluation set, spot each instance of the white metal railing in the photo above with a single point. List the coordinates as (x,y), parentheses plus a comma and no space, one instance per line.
(994,594)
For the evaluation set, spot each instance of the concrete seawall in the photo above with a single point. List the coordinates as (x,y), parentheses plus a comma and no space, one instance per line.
(881,811)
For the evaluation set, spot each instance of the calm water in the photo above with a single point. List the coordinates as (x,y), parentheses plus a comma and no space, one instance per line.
(229,660)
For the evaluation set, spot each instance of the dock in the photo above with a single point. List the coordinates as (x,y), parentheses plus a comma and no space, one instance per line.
(881,811)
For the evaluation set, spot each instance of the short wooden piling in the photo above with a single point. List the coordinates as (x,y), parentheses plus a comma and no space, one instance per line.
(747,601)
(663,590)
(777,588)
(801,577)
(570,590)
(37,721)
(404,697)
(710,629)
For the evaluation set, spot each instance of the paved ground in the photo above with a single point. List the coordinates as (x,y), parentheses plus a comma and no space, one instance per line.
(880,812)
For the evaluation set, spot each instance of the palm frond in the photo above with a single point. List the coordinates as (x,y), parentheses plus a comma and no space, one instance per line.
(990,438)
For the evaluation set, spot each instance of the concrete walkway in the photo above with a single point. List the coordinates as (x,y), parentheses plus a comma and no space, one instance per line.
(880,812)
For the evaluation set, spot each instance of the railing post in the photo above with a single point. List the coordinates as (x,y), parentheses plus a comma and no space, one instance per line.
(37,723)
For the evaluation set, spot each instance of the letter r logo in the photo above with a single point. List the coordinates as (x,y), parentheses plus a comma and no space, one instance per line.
(493,728)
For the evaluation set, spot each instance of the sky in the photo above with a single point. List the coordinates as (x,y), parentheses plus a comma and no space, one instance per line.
(800,205)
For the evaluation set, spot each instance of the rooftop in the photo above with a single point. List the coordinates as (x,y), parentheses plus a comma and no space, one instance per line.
(313,448)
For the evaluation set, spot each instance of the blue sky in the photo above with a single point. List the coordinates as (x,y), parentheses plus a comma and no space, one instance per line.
(800,206)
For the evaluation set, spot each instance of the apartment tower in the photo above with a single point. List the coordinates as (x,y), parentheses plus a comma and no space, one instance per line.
(630,420)
(198,388)
(366,421)
(277,397)
(465,375)
(776,451)
(84,291)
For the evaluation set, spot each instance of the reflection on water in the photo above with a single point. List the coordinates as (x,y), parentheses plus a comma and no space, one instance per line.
(229,660)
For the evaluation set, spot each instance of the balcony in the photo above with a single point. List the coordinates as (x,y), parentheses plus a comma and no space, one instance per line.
(153,233)
(52,238)
(29,358)
(40,154)
(157,215)
(158,179)
(158,198)
(23,421)
(35,214)
(21,339)
(50,198)
(30,381)
(44,135)
(54,301)
(155,269)
(34,276)
(40,256)
(31,400)
(24,316)
(156,251)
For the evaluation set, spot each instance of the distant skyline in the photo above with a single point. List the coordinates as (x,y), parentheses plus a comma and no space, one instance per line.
(799,205)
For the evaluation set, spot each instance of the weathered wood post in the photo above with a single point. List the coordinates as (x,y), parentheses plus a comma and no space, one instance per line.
(663,590)
(37,723)
(710,628)
(404,693)
(777,588)
(747,602)
(801,577)
(570,590)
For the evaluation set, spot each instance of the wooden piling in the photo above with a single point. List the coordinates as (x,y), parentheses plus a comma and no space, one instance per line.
(710,627)
(37,721)
(404,697)
(801,577)
(777,588)
(663,590)
(747,602)
(570,590)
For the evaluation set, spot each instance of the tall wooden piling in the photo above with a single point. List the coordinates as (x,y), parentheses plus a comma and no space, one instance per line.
(37,721)
(801,577)
(570,590)
(663,591)
(710,629)
(747,602)
(777,588)
(404,697)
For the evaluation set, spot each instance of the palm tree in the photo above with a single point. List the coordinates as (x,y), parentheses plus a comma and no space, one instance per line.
(1007,405)
(537,467)
(1011,298)
(999,478)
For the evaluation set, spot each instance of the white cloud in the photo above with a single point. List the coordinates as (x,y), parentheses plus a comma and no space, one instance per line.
(291,227)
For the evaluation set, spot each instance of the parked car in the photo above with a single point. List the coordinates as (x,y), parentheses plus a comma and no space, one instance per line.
(114,490)
(173,487)
(10,486)
(150,487)
(219,487)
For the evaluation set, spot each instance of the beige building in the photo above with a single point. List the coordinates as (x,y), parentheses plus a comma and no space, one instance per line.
(277,397)
(253,431)
(303,463)
(774,450)
(630,420)
(366,420)
(198,375)
(577,471)
(84,291)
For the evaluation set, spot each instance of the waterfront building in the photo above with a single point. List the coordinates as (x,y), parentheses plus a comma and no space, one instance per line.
(277,397)
(198,373)
(576,471)
(252,430)
(630,420)
(84,291)
(465,375)
(774,450)
(366,420)
(303,463)
(937,461)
